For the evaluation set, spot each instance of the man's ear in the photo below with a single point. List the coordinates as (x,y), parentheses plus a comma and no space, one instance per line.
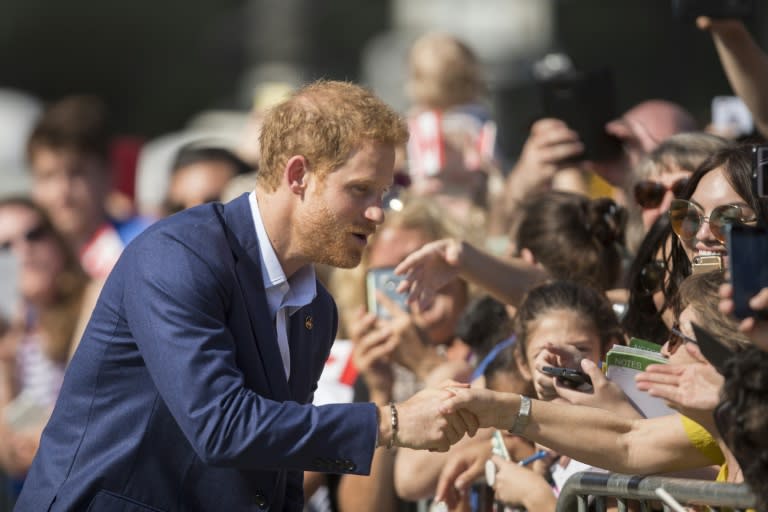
(296,174)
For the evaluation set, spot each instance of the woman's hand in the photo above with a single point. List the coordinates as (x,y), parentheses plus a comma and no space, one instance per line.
(429,269)
(603,395)
(518,485)
(372,354)
(693,389)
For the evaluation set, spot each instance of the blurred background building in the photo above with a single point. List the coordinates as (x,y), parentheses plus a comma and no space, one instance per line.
(159,64)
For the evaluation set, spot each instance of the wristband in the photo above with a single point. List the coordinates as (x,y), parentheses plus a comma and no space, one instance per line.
(523,416)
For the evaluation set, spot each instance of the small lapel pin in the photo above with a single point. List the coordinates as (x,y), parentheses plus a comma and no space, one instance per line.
(308,322)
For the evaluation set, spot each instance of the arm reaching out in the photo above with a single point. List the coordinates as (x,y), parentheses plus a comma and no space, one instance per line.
(437,263)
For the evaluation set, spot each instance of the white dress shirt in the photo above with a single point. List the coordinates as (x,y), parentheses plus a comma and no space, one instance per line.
(285,296)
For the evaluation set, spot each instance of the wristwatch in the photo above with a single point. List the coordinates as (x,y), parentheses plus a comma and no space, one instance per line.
(523,416)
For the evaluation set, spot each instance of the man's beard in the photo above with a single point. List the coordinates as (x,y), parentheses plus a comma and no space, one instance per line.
(328,240)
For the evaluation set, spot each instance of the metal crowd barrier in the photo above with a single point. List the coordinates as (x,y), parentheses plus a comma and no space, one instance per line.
(574,497)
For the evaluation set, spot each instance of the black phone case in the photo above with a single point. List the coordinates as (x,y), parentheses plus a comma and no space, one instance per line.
(748,266)
(712,350)
(688,10)
(586,102)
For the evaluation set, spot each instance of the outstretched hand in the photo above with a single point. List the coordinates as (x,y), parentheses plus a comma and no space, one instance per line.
(429,269)
(604,394)
(691,388)
(423,423)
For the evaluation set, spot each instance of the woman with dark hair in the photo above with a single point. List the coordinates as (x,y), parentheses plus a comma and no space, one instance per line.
(51,285)
(719,193)
(649,315)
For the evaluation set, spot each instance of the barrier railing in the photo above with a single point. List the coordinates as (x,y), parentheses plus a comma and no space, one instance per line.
(632,488)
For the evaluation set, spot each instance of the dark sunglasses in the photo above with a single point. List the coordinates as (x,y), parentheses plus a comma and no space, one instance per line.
(34,234)
(650,194)
(686,218)
(652,276)
(677,339)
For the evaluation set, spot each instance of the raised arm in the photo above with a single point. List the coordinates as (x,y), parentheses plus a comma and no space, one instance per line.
(435,264)
(745,64)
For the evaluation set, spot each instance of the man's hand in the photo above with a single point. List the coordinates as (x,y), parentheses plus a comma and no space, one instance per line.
(490,408)
(693,388)
(428,269)
(422,424)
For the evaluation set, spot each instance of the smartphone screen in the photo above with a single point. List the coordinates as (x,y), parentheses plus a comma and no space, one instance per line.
(748,266)
(386,281)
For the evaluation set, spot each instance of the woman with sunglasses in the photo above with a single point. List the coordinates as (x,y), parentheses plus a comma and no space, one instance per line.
(719,193)
(35,349)
(664,173)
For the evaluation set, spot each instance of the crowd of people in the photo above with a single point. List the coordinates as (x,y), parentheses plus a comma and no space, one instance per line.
(169,345)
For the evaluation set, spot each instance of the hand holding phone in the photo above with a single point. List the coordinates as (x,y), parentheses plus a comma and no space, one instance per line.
(385,281)
(568,376)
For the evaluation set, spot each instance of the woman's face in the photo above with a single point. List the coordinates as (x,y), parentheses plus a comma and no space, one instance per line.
(38,257)
(712,191)
(559,337)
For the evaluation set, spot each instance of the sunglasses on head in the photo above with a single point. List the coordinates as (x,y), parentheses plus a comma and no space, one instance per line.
(34,234)
(652,276)
(650,194)
(687,217)
(677,339)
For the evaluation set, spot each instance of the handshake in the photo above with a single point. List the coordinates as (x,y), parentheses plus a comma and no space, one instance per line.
(435,419)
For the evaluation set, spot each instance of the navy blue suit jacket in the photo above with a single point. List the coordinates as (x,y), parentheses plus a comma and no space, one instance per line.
(176,398)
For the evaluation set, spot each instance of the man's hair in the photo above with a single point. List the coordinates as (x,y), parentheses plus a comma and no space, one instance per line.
(75,123)
(325,122)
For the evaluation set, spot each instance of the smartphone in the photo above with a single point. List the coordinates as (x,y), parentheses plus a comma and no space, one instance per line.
(691,9)
(747,257)
(586,102)
(713,351)
(731,116)
(386,281)
(760,170)
(568,376)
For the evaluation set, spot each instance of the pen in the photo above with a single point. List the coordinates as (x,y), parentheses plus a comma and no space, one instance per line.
(536,456)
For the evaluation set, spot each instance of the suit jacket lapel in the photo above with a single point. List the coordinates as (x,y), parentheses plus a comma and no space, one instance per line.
(242,238)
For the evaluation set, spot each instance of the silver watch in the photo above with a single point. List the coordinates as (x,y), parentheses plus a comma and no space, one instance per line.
(523,416)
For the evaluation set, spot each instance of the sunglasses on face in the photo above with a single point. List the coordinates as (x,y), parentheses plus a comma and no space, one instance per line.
(677,339)
(649,194)
(651,276)
(687,217)
(34,234)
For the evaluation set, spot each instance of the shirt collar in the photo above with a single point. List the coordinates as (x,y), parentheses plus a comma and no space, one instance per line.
(293,293)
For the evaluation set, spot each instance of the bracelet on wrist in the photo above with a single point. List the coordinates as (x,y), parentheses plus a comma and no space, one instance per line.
(394,423)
